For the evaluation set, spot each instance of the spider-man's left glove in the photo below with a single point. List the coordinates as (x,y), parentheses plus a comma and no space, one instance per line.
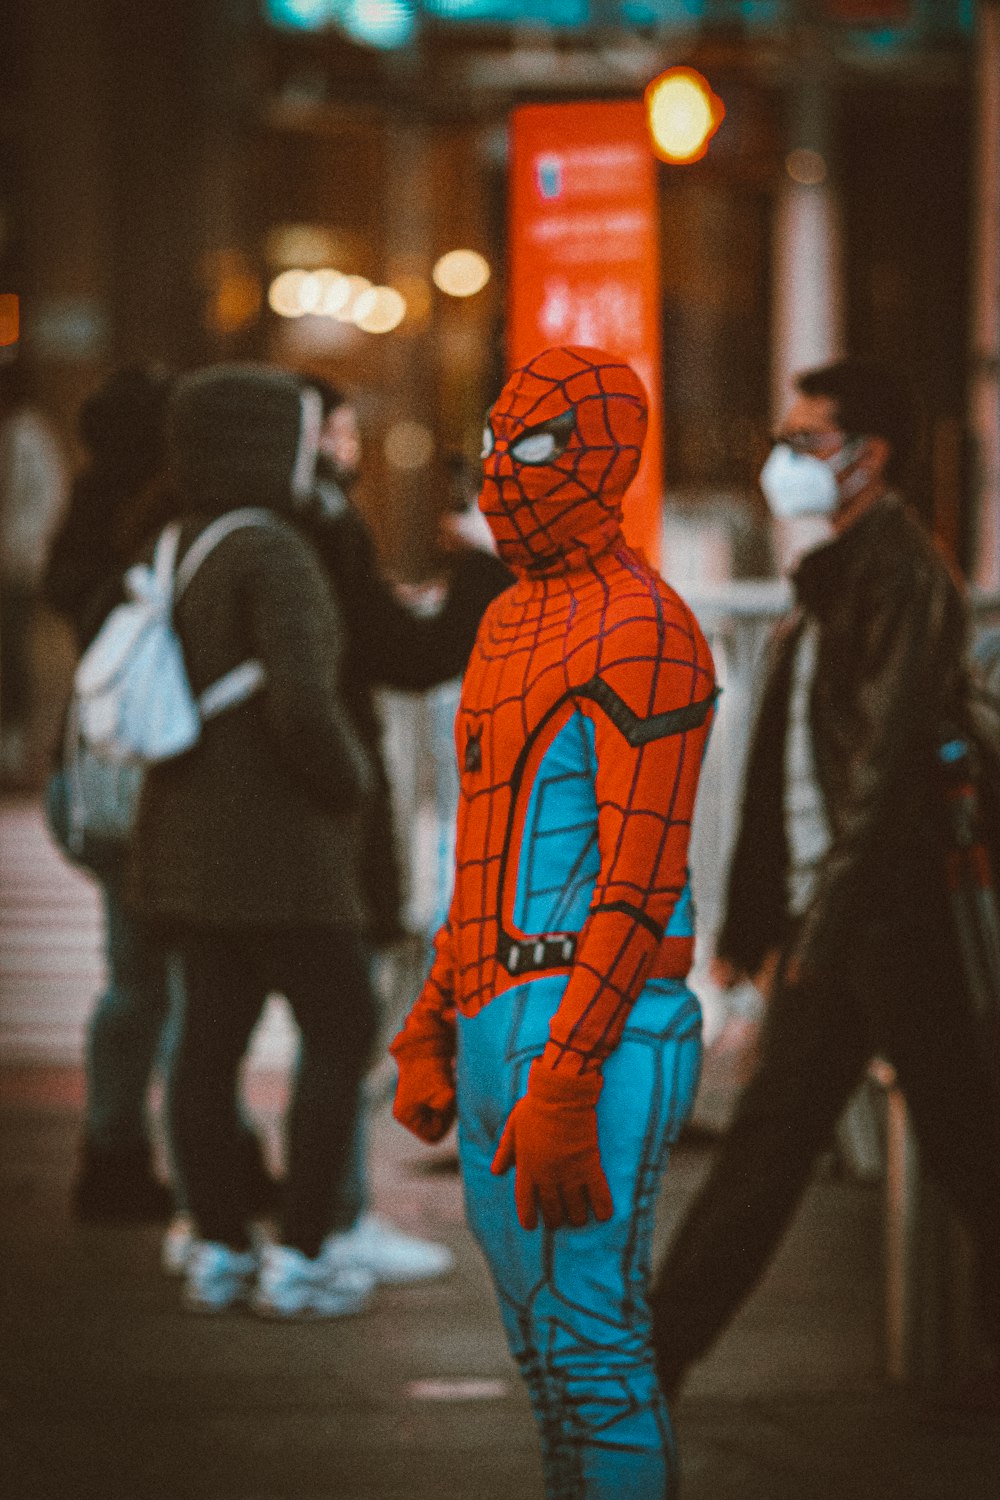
(551,1141)
(425,1092)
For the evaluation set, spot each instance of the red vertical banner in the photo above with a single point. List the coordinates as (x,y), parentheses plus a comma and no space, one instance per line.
(584,259)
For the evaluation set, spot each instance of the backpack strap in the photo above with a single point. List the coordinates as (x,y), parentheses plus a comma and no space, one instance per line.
(165,559)
(210,538)
(235,687)
(242,682)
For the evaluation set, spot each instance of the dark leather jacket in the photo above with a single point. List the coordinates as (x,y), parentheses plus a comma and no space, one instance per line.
(891,642)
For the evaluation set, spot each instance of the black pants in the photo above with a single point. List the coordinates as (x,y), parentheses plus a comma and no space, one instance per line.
(899,1001)
(228,974)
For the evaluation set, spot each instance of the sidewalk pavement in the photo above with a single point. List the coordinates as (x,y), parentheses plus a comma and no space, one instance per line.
(108,1391)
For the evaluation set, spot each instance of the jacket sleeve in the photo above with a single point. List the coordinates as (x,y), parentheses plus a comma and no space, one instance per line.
(755,915)
(891,730)
(394,645)
(413,652)
(297,635)
(645,784)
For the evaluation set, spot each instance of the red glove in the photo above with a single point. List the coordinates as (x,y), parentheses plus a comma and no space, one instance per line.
(551,1140)
(425,1092)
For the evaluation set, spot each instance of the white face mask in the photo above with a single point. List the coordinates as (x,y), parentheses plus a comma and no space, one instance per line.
(800,484)
(304,470)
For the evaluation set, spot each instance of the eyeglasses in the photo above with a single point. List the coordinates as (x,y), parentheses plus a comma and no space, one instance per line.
(808,442)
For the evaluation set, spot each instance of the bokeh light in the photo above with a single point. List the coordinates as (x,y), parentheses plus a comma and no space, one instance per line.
(344,311)
(461,273)
(683,115)
(334,292)
(380,23)
(303,15)
(408,446)
(285,294)
(806,167)
(306,245)
(379,309)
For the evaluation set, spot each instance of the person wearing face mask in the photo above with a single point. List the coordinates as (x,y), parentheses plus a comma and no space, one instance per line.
(837,903)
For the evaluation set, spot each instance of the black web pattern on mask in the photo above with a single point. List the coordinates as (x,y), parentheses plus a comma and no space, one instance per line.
(578,483)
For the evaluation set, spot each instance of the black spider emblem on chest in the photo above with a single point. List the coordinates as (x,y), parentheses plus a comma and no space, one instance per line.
(473,760)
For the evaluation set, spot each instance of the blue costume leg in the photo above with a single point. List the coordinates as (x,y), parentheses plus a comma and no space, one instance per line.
(574,1301)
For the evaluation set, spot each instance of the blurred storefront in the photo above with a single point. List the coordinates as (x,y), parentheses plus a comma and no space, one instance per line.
(161,166)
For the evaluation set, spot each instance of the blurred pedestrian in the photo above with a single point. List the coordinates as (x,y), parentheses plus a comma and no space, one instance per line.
(118,502)
(387,644)
(111,508)
(837,890)
(555,1022)
(32,493)
(246,848)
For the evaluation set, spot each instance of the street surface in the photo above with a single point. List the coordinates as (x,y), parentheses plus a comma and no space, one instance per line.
(108,1391)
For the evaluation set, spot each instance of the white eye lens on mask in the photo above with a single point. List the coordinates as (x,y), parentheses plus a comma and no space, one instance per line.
(799,484)
(537,448)
(488,444)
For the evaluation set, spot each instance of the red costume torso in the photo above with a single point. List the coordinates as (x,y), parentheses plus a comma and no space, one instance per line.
(589,641)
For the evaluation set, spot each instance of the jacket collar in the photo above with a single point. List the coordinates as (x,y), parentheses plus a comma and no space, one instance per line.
(820,577)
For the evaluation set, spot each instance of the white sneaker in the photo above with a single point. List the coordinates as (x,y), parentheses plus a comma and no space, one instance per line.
(216,1277)
(390,1256)
(291,1285)
(180,1239)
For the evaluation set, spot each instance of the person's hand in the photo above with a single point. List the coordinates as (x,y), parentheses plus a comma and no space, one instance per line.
(465,531)
(425,1092)
(763,978)
(734,1054)
(726,974)
(550,1140)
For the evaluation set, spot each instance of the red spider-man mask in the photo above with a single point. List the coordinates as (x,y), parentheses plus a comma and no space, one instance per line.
(561,446)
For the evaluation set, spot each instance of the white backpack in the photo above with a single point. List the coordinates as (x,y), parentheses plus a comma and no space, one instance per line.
(132,704)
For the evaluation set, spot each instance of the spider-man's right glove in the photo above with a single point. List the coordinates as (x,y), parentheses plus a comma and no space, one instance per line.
(551,1141)
(425,1092)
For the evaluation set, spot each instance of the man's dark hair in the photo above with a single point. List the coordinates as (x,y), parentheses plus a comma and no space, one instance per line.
(331,395)
(872,400)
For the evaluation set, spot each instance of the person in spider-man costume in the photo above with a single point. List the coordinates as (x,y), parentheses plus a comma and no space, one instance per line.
(556,1020)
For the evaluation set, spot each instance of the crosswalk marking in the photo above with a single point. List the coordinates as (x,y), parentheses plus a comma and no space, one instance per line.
(51,952)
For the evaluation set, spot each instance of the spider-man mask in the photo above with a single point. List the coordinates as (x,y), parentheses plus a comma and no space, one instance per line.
(561,446)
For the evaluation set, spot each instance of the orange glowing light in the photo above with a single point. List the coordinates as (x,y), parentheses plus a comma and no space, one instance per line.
(683,115)
(10,319)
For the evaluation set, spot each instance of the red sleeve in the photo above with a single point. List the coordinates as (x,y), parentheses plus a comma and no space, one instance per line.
(431,1020)
(648,764)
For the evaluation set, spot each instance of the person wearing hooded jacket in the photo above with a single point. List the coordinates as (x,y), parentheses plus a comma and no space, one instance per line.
(246,849)
(117,504)
(111,509)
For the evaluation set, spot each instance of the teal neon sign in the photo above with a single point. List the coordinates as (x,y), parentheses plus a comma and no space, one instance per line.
(393,23)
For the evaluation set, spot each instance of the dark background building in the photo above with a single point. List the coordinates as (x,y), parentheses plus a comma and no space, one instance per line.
(161,164)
